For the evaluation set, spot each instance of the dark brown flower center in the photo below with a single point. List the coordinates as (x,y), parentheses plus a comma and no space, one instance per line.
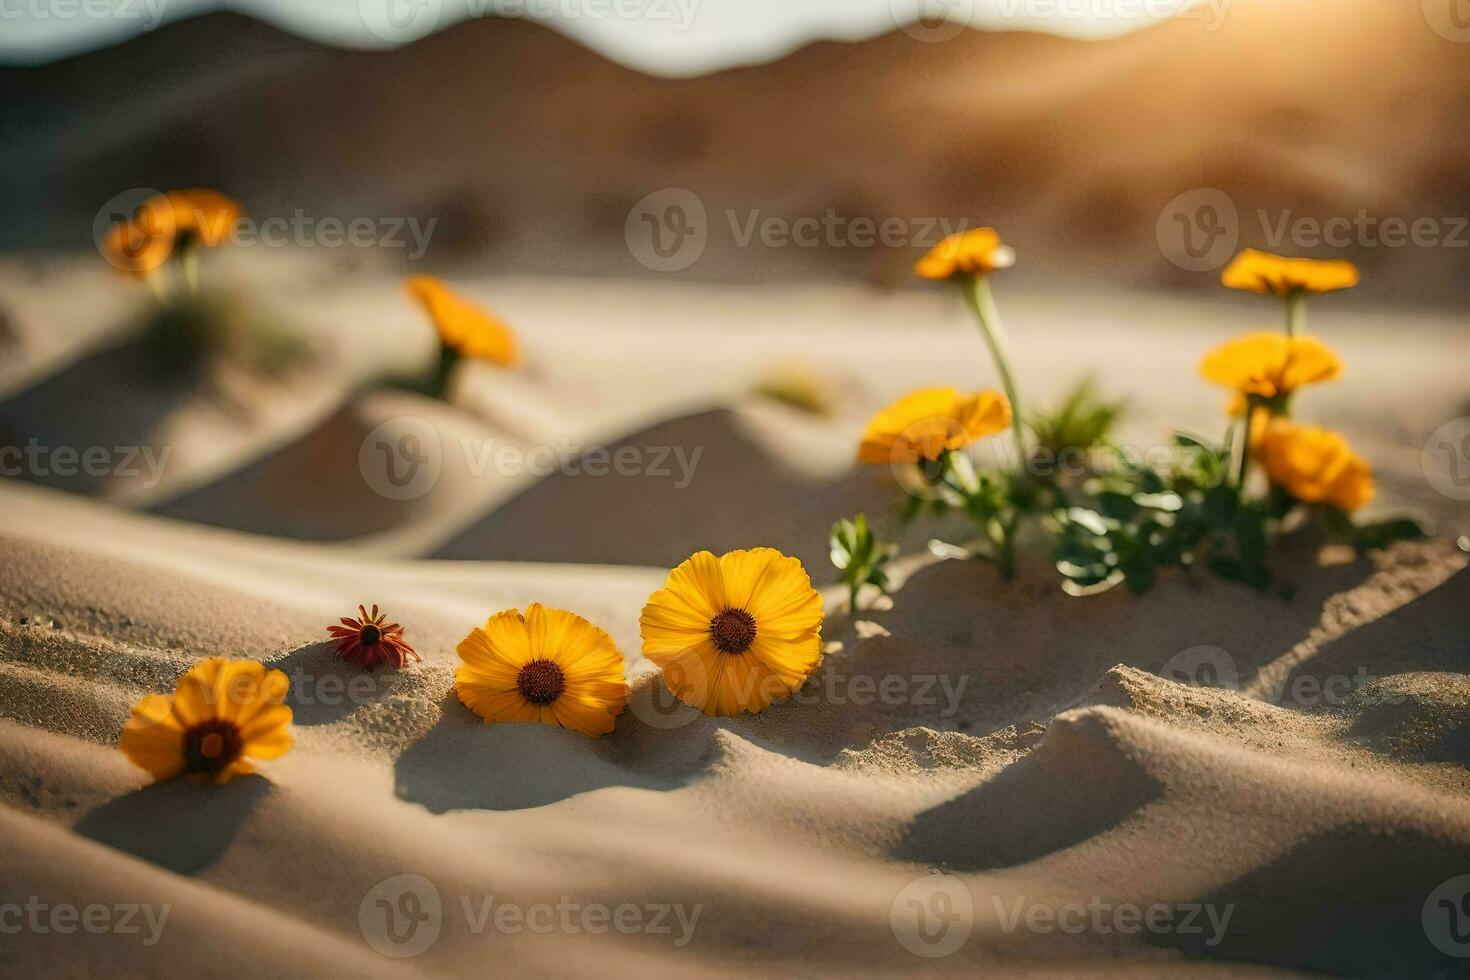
(369,635)
(541,682)
(732,630)
(211,746)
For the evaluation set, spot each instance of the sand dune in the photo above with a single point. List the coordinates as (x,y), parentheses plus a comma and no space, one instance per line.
(1074,148)
(1064,771)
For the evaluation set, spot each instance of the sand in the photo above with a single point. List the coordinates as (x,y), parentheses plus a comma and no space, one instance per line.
(1282,781)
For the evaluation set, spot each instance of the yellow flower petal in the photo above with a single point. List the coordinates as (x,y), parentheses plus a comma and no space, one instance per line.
(926,423)
(1270,364)
(1262,272)
(462,325)
(1315,465)
(678,626)
(975,252)
(572,670)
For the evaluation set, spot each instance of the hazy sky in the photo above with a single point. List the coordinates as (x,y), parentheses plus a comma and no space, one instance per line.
(665,36)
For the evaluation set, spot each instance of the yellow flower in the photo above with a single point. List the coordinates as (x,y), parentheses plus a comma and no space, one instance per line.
(1269,365)
(165,223)
(548,666)
(205,216)
(462,326)
(142,243)
(1262,272)
(734,633)
(222,714)
(1315,465)
(923,424)
(975,252)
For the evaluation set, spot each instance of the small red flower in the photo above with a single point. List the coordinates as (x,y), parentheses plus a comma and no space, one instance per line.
(372,641)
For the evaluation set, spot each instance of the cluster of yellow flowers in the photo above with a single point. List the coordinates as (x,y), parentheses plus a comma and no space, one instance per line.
(1264,370)
(730,634)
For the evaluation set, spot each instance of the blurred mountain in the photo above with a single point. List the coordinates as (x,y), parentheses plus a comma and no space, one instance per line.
(530,150)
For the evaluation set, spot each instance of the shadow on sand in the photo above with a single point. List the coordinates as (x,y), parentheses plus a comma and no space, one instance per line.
(182,825)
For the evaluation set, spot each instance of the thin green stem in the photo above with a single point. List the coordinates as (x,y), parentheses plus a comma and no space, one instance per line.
(1245,445)
(1296,313)
(982,304)
(437,383)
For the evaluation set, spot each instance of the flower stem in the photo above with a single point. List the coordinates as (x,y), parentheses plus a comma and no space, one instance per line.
(1245,445)
(437,383)
(1296,312)
(982,303)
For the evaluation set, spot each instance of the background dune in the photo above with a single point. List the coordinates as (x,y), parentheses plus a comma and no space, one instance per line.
(530,151)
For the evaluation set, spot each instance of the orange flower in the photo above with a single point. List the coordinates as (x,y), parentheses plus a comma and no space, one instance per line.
(925,424)
(1315,465)
(975,252)
(1269,365)
(1262,272)
(463,327)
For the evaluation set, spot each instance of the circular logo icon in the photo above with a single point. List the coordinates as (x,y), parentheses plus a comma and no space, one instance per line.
(134,230)
(402,458)
(400,21)
(933,916)
(401,916)
(658,707)
(1202,666)
(1446,459)
(1199,230)
(1450,19)
(1446,917)
(932,21)
(667,230)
